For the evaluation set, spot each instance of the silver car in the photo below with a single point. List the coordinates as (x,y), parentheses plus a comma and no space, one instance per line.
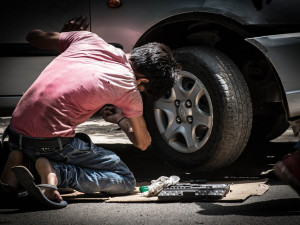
(240,67)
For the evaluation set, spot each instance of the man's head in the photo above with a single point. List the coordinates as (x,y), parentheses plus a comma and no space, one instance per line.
(155,68)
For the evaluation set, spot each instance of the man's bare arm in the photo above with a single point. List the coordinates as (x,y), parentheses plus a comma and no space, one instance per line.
(44,40)
(50,40)
(135,128)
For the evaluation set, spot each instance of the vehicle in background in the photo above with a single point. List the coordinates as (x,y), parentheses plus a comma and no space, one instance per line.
(240,63)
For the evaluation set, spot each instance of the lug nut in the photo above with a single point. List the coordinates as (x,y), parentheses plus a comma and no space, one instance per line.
(177,103)
(188,104)
(178,119)
(189,119)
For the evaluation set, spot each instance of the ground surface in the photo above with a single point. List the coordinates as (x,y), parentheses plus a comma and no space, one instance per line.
(280,205)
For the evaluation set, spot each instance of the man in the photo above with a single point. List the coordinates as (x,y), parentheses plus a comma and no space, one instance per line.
(288,169)
(88,75)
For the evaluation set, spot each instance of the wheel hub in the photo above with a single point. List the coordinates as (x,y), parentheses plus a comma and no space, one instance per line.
(184,111)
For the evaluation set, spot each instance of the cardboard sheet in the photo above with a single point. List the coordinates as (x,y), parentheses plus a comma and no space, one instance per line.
(239,191)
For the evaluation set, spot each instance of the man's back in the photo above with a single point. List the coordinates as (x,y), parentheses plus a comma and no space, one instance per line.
(87,75)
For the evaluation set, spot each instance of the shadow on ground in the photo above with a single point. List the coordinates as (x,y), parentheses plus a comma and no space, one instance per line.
(271,208)
(256,161)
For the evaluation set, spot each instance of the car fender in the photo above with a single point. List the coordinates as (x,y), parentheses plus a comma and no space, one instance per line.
(282,51)
(129,22)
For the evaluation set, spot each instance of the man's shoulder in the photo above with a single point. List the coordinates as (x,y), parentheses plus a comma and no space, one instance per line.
(75,36)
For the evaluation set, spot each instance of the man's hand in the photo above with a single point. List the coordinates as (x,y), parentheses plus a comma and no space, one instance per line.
(76,24)
(135,128)
(111,113)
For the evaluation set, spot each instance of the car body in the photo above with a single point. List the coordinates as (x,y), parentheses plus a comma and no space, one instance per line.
(239,58)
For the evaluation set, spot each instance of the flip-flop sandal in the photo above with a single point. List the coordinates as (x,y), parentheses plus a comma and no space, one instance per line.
(26,179)
(7,190)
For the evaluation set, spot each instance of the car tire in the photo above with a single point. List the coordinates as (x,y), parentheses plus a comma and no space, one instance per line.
(205,122)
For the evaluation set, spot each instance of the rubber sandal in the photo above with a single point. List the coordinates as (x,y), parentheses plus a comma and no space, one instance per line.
(7,190)
(26,179)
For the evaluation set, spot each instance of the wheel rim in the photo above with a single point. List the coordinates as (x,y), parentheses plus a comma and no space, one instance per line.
(185,116)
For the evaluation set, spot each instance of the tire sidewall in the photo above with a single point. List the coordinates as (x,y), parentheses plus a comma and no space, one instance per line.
(201,67)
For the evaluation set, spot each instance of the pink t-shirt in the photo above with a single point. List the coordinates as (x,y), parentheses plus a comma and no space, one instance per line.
(88,74)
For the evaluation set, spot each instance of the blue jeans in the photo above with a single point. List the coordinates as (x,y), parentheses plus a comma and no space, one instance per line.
(85,167)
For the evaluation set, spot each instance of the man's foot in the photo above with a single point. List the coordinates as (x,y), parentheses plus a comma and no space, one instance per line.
(7,191)
(52,194)
(48,176)
(15,158)
(288,170)
(26,179)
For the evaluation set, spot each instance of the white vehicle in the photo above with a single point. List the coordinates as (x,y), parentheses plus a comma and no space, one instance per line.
(240,67)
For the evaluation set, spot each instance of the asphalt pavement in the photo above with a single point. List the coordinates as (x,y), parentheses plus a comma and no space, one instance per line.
(279,205)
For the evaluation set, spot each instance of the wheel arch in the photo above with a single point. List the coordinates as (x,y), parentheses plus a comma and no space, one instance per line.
(227,34)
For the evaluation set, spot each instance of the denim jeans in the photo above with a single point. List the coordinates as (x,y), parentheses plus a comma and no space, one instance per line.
(85,167)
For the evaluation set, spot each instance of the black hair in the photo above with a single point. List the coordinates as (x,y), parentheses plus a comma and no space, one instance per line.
(156,62)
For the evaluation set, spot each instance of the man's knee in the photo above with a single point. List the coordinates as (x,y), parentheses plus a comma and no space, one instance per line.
(123,187)
(131,185)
